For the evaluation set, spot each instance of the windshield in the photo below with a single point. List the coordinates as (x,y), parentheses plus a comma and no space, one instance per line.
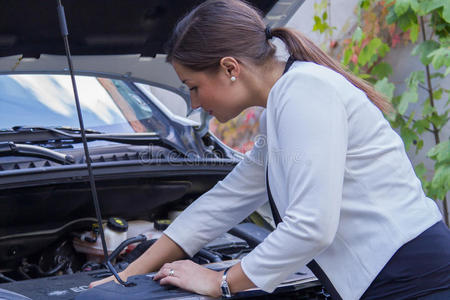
(108,105)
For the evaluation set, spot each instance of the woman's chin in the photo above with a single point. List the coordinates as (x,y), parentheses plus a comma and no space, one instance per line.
(223,119)
(226,118)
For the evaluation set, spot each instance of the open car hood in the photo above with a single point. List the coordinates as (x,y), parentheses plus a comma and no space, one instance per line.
(111,37)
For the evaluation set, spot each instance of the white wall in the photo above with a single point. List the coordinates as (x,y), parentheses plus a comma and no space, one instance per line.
(344,17)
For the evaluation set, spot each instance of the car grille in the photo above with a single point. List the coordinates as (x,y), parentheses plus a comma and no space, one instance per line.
(27,165)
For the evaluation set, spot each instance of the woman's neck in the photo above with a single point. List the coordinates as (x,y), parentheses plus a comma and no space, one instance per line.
(261,80)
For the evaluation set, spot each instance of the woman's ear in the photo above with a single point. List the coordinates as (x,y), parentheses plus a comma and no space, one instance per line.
(230,66)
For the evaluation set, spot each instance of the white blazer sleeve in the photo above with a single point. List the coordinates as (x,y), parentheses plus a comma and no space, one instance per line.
(311,132)
(230,201)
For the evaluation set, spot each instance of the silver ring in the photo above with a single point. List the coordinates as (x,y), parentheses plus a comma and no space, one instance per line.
(171,272)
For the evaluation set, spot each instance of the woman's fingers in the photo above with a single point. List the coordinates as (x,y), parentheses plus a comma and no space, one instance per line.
(172,274)
(172,280)
(163,272)
(190,276)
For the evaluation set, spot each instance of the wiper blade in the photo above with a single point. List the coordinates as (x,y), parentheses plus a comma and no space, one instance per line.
(26,134)
(11,148)
(59,129)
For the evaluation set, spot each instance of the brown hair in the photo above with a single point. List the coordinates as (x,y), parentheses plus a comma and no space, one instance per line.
(219,28)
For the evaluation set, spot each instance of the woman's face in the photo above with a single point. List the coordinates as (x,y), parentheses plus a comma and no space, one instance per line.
(214,92)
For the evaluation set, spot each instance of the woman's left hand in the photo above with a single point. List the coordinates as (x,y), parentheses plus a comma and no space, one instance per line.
(190,276)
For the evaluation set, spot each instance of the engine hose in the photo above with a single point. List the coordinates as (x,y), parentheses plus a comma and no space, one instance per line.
(6,278)
(50,272)
(23,273)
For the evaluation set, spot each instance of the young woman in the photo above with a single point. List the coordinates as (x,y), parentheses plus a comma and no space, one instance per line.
(350,204)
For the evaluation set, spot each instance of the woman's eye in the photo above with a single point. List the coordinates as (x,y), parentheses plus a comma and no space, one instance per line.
(193,88)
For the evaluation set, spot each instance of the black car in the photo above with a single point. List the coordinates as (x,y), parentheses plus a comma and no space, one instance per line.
(148,161)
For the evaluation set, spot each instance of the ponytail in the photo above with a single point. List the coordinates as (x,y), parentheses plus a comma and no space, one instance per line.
(302,48)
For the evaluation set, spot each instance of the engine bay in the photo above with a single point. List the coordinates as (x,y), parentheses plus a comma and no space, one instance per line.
(80,250)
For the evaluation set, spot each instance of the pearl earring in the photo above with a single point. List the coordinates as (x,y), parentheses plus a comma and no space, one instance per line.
(233,79)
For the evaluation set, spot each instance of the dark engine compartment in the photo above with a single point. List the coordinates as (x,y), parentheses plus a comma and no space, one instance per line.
(38,224)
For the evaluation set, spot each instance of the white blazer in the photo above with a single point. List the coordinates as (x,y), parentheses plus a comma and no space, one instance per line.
(341,180)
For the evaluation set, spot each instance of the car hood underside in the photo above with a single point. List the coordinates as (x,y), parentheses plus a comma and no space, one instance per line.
(118,38)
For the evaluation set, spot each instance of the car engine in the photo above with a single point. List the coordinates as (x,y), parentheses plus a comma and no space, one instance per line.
(81,250)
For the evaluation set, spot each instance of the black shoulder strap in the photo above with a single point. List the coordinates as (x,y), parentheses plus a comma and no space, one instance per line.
(289,63)
(273,207)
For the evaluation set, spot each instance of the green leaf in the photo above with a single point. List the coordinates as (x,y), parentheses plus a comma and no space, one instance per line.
(369,51)
(427,108)
(410,119)
(440,152)
(364,4)
(383,49)
(357,35)
(414,5)
(441,180)
(419,146)
(391,17)
(440,57)
(437,75)
(347,56)
(414,78)
(406,20)
(397,121)
(324,15)
(318,24)
(421,125)
(437,94)
(385,87)
(414,33)
(365,76)
(424,49)
(429,5)
(381,70)
(439,120)
(446,12)
(421,171)
(407,97)
(401,7)
(408,136)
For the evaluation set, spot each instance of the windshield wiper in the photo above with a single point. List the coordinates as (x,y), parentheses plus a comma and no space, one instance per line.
(11,148)
(26,134)
(59,129)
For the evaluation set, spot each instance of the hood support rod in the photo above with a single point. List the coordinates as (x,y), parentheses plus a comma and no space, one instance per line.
(65,33)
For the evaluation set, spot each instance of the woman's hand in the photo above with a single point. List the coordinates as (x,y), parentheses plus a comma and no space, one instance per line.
(190,276)
(163,250)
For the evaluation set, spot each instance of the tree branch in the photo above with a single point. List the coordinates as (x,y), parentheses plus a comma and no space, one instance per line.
(435,130)
(424,87)
(430,87)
